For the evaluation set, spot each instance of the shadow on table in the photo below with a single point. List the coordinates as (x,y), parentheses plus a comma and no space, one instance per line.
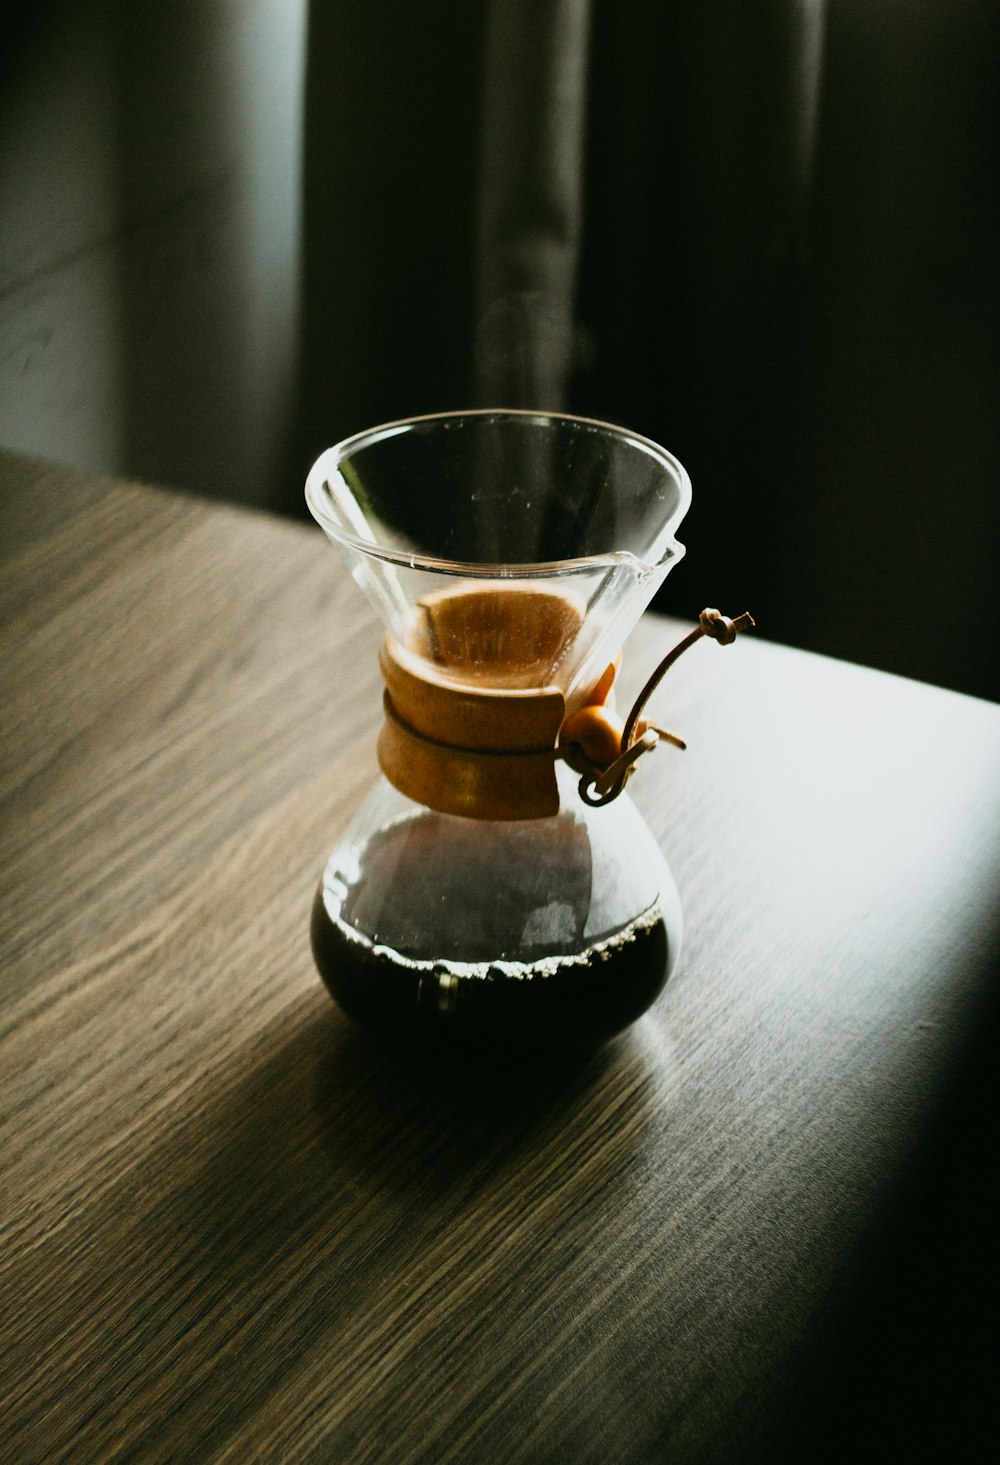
(308,1199)
(902,1365)
(329,1190)
(391,1107)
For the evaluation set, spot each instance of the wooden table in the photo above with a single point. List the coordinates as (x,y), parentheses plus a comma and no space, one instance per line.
(236,1228)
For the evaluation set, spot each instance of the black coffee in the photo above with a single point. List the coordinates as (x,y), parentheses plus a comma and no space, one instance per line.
(561,999)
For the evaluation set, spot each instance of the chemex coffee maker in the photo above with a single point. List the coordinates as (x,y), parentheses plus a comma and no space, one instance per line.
(498,882)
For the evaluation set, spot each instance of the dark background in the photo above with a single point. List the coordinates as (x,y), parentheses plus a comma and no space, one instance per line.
(825,363)
(792,284)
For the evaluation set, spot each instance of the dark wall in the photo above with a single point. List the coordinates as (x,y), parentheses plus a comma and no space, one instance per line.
(149,237)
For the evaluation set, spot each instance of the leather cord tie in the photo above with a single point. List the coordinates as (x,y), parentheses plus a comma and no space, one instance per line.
(598,787)
(490,751)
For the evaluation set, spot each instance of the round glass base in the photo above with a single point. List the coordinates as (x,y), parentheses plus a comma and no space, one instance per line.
(560,930)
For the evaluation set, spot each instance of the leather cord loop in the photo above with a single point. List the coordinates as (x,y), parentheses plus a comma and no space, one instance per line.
(490,755)
(598,789)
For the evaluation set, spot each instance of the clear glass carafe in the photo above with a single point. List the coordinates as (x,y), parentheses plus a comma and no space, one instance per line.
(476,894)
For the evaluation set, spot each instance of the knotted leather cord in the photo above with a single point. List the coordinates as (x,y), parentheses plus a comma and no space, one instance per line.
(609,783)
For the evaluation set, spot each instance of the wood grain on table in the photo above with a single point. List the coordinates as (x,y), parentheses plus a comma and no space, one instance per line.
(234,1227)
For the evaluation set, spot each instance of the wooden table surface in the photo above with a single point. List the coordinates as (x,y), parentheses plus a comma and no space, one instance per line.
(236,1228)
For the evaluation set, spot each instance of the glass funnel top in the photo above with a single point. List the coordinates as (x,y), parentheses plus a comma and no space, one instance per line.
(442,519)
